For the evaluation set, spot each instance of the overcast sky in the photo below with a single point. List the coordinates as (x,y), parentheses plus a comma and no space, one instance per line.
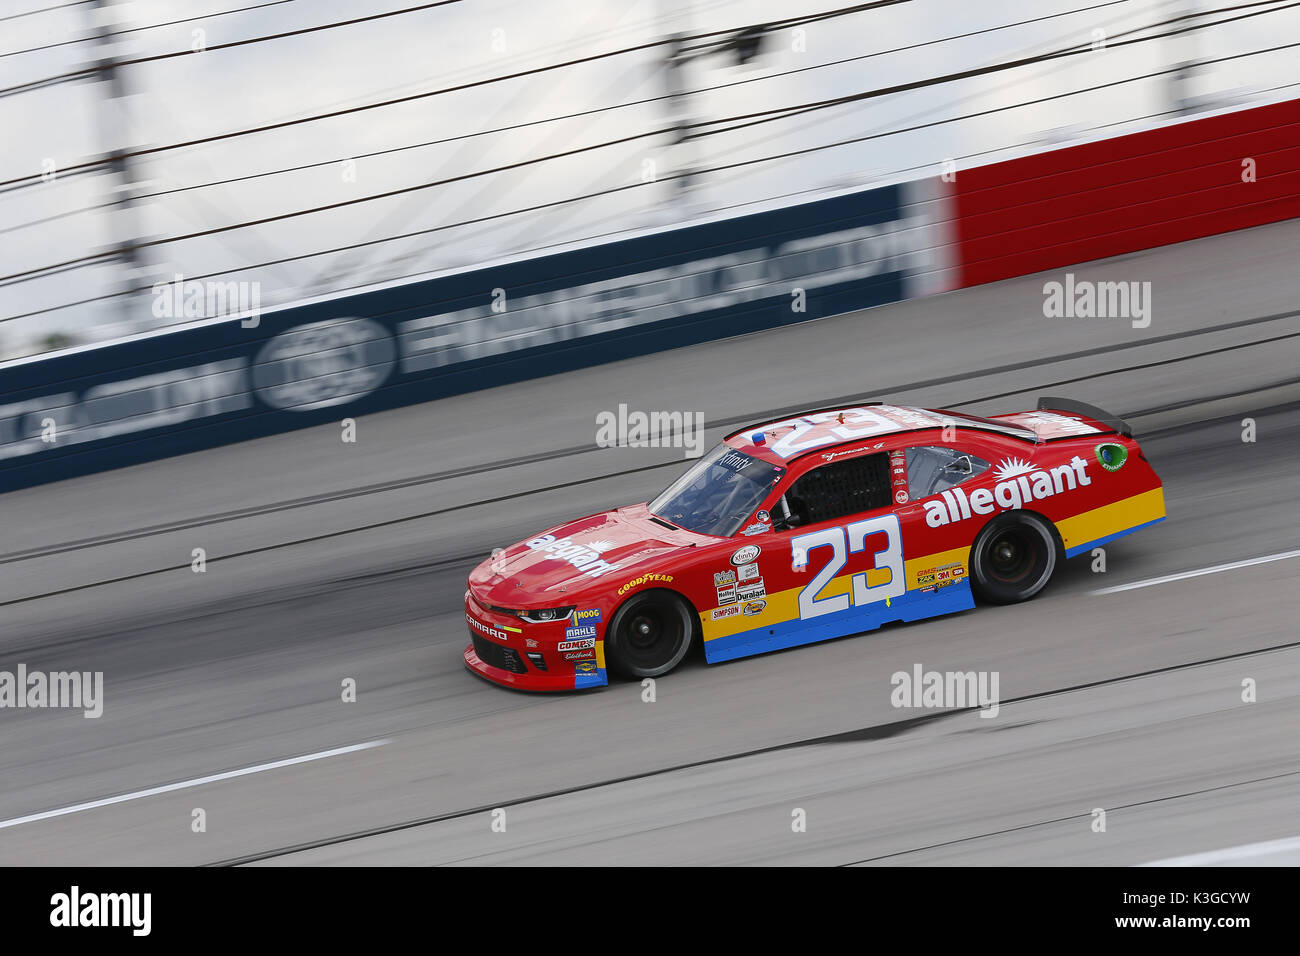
(202,94)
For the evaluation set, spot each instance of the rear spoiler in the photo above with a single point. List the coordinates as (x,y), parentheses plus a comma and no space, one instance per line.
(1047,402)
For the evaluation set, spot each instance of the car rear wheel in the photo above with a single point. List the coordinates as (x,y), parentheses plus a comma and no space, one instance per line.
(649,635)
(1013,557)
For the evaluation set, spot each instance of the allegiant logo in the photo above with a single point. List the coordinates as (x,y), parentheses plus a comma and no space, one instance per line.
(1021,483)
(583,557)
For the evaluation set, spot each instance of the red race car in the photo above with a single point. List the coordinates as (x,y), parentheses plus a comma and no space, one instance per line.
(811,528)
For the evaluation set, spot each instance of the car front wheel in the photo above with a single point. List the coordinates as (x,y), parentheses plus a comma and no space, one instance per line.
(649,635)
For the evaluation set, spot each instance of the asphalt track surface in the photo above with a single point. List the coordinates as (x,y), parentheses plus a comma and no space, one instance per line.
(329,561)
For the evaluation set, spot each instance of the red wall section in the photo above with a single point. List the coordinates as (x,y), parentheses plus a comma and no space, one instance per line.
(1133,192)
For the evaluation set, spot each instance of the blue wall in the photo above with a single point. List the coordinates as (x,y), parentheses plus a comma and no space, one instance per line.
(197,388)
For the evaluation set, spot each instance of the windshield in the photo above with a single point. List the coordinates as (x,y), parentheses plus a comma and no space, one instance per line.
(718,493)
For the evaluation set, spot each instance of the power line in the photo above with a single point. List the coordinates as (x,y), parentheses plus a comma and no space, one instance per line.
(567,116)
(92,70)
(763,116)
(618,189)
(780,113)
(151,150)
(32,13)
(151,26)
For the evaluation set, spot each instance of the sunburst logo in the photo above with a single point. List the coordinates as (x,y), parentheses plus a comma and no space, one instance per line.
(1011,467)
(600,546)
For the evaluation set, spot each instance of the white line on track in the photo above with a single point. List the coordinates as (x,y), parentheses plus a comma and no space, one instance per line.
(1236,854)
(187,784)
(1149,582)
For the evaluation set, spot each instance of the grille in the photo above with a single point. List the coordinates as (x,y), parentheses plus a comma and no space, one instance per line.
(494,655)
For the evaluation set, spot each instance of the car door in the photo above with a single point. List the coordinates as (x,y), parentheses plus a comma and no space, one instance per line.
(838,526)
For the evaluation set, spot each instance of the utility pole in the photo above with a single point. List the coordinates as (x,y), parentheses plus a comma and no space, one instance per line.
(744,45)
(124,219)
(1182,93)
(679,118)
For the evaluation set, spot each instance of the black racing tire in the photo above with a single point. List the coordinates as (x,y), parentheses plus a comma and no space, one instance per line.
(649,635)
(1014,556)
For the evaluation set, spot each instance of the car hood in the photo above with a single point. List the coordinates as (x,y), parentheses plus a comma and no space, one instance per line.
(582,556)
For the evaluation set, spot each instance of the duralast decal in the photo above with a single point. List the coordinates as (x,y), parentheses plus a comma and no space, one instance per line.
(1020,483)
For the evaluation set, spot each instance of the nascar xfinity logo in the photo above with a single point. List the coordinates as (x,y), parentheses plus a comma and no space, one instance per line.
(1020,484)
(585,557)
